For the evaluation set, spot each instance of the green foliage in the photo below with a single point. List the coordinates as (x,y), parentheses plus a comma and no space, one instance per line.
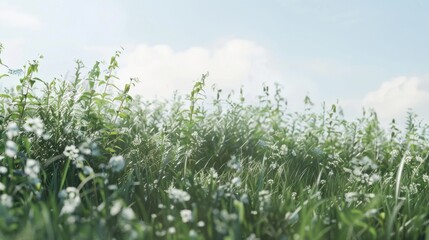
(81,159)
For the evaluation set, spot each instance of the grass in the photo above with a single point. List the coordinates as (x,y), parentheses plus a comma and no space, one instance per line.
(82,159)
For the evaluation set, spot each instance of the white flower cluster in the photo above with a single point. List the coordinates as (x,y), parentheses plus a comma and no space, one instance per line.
(117,163)
(34,125)
(178,195)
(12,130)
(71,200)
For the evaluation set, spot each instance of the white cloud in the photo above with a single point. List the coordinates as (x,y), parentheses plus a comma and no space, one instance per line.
(395,97)
(13,18)
(162,70)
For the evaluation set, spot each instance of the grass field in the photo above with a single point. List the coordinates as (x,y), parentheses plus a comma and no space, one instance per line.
(82,159)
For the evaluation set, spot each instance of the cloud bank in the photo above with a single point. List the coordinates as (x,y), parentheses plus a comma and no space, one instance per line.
(162,70)
(395,97)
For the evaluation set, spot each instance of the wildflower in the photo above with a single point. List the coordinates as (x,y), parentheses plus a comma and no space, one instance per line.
(116,208)
(425,178)
(87,170)
(213,173)
(12,130)
(85,149)
(171,230)
(178,195)
(11,149)
(2,186)
(193,234)
(34,125)
(32,168)
(170,218)
(236,181)
(128,214)
(351,197)
(234,164)
(71,152)
(6,200)
(186,215)
(201,224)
(117,163)
(71,200)
(3,170)
(79,161)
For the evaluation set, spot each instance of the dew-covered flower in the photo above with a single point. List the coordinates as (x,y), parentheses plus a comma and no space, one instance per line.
(71,200)
(12,130)
(32,168)
(6,200)
(11,149)
(128,214)
(186,215)
(117,163)
(34,125)
(178,195)
(71,152)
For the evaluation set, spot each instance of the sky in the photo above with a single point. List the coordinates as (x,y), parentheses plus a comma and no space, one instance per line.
(371,54)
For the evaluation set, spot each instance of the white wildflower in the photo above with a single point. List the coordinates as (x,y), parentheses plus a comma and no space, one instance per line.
(236,181)
(178,195)
(3,170)
(87,170)
(6,200)
(128,214)
(71,152)
(32,168)
(34,125)
(117,163)
(12,130)
(213,173)
(11,149)
(186,215)
(2,186)
(171,230)
(351,197)
(200,224)
(116,208)
(71,200)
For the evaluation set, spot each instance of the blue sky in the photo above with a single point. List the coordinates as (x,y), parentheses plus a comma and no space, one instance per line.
(364,53)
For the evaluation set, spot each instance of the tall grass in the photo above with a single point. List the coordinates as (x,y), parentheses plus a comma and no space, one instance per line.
(82,159)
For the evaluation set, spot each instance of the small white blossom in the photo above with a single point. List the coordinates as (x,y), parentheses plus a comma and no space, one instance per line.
(71,152)
(128,214)
(186,215)
(2,186)
(32,168)
(87,170)
(116,208)
(171,230)
(236,181)
(71,200)
(34,125)
(11,149)
(12,130)
(6,200)
(178,195)
(117,163)
(3,170)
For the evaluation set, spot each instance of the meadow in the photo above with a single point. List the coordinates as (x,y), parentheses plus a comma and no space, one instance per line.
(82,159)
